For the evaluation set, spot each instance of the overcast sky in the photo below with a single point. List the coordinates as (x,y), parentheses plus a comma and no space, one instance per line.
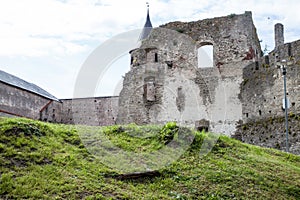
(47,41)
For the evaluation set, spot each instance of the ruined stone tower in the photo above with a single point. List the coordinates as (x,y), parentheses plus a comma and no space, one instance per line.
(279,38)
(165,84)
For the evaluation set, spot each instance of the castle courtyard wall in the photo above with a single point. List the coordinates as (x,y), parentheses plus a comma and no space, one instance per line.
(94,111)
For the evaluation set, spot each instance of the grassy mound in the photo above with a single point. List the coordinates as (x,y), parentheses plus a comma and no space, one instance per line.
(50,161)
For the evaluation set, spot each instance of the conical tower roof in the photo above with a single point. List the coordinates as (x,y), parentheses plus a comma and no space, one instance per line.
(147,27)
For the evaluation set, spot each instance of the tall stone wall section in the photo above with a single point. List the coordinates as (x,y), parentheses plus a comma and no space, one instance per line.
(270,132)
(262,94)
(233,37)
(94,111)
(165,84)
(262,87)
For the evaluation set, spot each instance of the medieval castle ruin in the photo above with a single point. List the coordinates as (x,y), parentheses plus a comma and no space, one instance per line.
(165,84)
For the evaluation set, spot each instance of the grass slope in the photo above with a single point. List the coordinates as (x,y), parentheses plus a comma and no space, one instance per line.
(49,161)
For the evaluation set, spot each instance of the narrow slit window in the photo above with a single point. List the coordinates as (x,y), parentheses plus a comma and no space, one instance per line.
(256,66)
(155,57)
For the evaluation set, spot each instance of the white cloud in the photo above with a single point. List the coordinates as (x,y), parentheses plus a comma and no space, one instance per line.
(32,26)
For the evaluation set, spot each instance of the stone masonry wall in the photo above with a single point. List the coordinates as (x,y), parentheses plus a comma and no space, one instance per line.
(15,101)
(224,87)
(262,95)
(165,84)
(159,87)
(52,112)
(262,87)
(95,111)
(99,111)
(233,37)
(270,132)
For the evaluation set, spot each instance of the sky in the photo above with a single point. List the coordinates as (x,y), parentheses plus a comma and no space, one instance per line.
(46,42)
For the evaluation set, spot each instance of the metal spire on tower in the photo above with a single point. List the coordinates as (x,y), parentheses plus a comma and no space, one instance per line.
(147,27)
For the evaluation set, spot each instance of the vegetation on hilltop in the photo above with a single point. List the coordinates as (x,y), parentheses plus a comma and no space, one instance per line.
(49,161)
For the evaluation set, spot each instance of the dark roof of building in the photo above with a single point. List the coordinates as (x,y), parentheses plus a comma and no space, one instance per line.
(147,27)
(20,83)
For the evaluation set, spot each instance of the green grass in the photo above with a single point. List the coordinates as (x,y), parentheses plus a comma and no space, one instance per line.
(49,161)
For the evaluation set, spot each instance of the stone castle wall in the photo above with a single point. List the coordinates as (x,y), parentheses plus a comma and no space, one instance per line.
(233,37)
(262,87)
(165,84)
(262,94)
(94,111)
(270,132)
(19,102)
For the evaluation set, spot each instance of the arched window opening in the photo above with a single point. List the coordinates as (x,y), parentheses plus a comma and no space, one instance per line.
(206,56)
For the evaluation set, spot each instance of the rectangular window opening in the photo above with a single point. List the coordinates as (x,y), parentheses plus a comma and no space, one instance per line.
(256,66)
(155,57)
(289,49)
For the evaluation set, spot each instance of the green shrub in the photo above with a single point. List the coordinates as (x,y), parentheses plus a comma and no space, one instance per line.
(168,132)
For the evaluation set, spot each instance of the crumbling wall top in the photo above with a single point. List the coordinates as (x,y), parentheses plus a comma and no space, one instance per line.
(232,36)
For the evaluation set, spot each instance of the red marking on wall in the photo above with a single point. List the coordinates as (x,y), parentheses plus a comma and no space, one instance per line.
(45,106)
(250,54)
(10,113)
